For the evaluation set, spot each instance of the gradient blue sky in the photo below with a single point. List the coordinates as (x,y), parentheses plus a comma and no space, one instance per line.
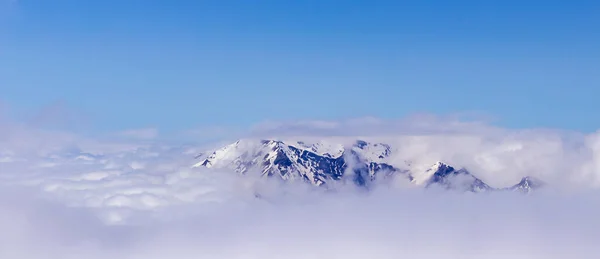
(183,64)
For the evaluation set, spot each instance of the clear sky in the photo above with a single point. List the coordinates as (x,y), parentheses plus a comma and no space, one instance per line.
(184,64)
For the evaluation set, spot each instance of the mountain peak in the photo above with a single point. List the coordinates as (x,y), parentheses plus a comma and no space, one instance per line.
(316,163)
(440,167)
(320,162)
(271,142)
(527,184)
(447,177)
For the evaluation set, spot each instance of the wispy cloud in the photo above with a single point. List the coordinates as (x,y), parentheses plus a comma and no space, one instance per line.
(145,133)
(373,126)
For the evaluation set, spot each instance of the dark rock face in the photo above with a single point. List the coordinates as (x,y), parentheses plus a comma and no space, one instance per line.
(324,167)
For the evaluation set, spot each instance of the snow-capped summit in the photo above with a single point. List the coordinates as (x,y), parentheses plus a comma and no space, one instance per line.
(320,162)
(527,184)
(372,151)
(316,163)
(441,174)
(322,148)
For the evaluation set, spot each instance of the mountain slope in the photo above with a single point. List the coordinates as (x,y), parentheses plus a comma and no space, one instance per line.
(527,184)
(316,163)
(322,162)
(449,178)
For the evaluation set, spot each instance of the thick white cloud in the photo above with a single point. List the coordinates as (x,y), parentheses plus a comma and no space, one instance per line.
(384,224)
(84,198)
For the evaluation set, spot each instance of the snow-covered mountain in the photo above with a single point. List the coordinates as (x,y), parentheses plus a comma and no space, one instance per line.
(446,176)
(527,184)
(322,162)
(316,163)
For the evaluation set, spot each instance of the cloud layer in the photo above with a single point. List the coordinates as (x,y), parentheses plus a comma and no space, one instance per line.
(499,156)
(64,196)
(384,224)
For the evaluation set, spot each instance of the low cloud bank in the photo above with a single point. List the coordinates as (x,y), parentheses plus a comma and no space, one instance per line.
(63,196)
(386,223)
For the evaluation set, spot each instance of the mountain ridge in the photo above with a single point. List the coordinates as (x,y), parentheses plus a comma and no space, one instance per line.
(322,162)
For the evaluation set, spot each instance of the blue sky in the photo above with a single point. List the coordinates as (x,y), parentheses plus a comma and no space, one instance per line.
(185,64)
